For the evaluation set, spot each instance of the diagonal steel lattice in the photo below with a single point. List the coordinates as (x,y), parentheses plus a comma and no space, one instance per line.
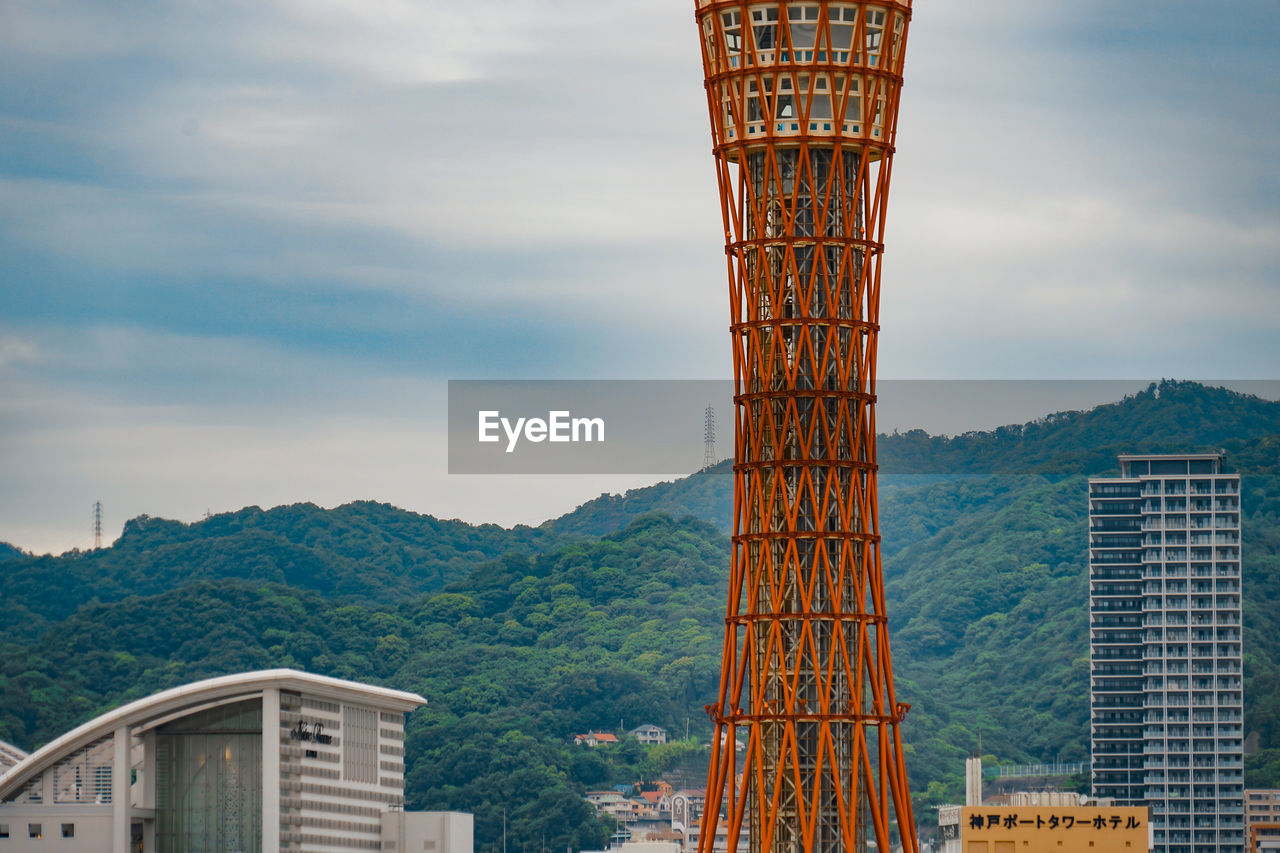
(803,99)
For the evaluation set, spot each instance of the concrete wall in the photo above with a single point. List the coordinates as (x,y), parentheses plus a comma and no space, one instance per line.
(91,829)
(649,847)
(428,832)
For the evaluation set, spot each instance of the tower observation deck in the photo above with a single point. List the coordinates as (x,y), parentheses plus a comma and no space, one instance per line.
(803,98)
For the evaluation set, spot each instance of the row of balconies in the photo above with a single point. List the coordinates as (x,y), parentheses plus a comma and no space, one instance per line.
(1199,635)
(1223,806)
(1116,635)
(1107,557)
(1115,524)
(1116,540)
(1111,490)
(1175,625)
(1156,731)
(1174,533)
(1118,508)
(1199,651)
(1117,588)
(1229,746)
(1201,602)
(1158,683)
(1156,667)
(1180,487)
(1114,618)
(1224,585)
(1225,553)
(1115,604)
(1183,777)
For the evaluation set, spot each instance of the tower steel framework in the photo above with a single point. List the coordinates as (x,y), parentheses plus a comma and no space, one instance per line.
(803,99)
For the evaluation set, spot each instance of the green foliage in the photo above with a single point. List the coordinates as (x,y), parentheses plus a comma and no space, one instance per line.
(611,616)
(515,658)
(1169,416)
(708,495)
(1263,769)
(362,551)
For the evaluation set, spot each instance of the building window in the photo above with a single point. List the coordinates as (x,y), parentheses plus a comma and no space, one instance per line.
(35,830)
(4,830)
(209,780)
(732,31)
(360,745)
(68,830)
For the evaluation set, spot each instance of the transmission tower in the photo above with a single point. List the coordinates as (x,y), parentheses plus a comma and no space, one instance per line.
(97,525)
(803,98)
(709,438)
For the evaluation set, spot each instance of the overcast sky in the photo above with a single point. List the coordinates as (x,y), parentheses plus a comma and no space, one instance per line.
(243,245)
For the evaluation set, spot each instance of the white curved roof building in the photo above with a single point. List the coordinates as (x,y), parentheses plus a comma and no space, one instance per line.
(258,762)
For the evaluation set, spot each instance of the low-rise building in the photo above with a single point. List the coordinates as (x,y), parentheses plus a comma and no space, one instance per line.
(1262,819)
(649,734)
(603,798)
(659,800)
(1264,837)
(260,762)
(654,846)
(686,822)
(1262,805)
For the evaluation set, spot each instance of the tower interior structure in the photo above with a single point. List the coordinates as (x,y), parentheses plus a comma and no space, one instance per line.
(803,99)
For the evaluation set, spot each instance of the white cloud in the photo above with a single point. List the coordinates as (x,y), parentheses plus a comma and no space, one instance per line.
(17,351)
(1070,199)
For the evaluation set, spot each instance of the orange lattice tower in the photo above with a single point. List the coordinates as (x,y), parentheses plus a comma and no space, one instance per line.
(804,103)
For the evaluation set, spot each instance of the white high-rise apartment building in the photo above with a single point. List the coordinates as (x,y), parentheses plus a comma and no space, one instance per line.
(1164,641)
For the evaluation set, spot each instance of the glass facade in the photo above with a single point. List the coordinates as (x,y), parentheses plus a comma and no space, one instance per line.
(209,775)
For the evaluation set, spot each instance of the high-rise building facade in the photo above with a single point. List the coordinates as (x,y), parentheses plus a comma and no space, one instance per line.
(1165,677)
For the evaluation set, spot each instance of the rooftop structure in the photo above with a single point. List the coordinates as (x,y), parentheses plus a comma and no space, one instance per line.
(9,756)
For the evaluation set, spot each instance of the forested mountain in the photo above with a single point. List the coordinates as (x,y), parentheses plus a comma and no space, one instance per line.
(515,658)
(520,638)
(362,551)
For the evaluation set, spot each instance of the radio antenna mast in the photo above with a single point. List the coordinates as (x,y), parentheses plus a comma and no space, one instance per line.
(709,438)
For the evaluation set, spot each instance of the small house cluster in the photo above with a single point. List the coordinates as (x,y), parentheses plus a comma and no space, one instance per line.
(648,734)
(656,812)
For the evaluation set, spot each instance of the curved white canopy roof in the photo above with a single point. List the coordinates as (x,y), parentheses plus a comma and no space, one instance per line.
(188,698)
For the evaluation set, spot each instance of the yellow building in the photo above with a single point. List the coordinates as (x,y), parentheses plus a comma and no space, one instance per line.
(1054,829)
